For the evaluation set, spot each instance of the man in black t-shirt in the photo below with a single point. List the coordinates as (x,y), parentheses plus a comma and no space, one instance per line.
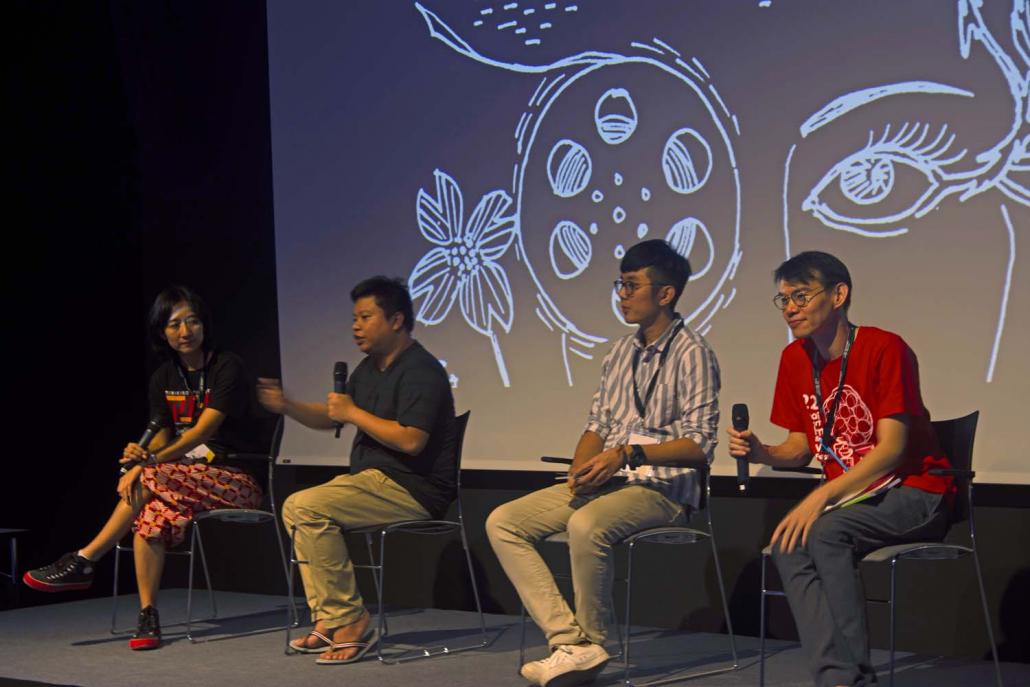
(402,462)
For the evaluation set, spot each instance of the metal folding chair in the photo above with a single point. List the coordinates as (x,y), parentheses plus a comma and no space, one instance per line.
(667,536)
(956,438)
(244,516)
(378,568)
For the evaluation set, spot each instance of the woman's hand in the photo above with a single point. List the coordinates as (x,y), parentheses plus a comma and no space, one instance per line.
(128,485)
(133,453)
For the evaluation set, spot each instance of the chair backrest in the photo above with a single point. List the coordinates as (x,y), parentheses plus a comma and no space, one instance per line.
(956,439)
(461,423)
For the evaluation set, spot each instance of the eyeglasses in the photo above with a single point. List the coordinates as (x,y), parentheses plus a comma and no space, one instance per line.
(190,322)
(630,286)
(800,298)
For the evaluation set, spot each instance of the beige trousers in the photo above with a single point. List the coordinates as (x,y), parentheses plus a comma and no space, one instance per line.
(594,523)
(321,514)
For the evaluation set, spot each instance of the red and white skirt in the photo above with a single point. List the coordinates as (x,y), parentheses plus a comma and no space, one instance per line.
(181,490)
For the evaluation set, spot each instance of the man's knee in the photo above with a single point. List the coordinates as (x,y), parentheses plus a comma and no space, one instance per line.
(585,530)
(499,524)
(298,507)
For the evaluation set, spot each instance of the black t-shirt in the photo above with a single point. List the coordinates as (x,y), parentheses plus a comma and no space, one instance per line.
(176,404)
(414,391)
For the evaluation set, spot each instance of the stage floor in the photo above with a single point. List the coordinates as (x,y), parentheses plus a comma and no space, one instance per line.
(70,644)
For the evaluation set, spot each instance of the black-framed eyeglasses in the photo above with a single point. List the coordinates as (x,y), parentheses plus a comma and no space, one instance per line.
(628,287)
(801,298)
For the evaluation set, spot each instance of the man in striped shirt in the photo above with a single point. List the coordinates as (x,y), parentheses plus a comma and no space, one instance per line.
(653,420)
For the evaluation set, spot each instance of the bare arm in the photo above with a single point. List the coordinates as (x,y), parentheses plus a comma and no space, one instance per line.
(793,452)
(409,440)
(270,395)
(891,439)
(167,448)
(678,453)
(388,433)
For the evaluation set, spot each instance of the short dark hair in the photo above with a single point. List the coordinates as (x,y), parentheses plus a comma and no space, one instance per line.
(665,264)
(391,296)
(813,265)
(162,309)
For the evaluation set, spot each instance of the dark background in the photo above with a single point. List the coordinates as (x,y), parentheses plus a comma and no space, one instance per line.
(141,156)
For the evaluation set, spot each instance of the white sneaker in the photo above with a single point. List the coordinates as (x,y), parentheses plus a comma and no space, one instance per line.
(568,665)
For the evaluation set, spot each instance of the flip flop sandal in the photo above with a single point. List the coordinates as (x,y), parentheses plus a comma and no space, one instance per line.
(326,645)
(368,641)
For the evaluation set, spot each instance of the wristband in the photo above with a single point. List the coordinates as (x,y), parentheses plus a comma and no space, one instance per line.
(636,456)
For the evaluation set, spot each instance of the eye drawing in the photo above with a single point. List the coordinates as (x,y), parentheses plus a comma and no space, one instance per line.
(868,177)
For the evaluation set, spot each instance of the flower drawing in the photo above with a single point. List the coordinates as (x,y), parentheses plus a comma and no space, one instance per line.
(463,264)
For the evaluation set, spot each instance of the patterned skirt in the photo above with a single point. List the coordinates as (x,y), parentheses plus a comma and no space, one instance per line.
(180,490)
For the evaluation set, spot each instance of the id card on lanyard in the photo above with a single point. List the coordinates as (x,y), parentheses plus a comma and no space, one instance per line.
(825,441)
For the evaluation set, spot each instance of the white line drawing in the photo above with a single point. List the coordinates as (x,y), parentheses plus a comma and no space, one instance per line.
(615,116)
(571,173)
(680,158)
(687,161)
(866,177)
(463,265)
(575,247)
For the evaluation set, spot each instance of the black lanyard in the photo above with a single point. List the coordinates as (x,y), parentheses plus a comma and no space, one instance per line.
(829,419)
(642,404)
(201,392)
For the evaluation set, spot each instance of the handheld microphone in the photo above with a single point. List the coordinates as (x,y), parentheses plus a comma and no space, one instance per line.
(741,420)
(153,427)
(339,386)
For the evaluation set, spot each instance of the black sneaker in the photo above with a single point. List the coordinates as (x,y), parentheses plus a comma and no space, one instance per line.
(70,572)
(148,630)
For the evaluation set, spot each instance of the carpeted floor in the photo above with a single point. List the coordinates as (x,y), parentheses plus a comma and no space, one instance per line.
(70,644)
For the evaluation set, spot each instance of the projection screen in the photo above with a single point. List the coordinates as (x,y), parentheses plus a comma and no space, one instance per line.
(501,157)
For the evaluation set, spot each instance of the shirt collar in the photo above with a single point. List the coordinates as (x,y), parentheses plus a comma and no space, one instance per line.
(638,340)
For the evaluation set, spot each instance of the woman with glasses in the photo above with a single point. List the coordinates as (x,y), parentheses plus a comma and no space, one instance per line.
(199,406)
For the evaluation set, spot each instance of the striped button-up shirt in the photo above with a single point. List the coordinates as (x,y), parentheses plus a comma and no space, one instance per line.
(685,403)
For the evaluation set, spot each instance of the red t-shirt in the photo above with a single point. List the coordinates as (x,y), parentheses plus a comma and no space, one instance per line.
(882,380)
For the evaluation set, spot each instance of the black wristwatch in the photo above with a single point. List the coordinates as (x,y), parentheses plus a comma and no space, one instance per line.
(636,456)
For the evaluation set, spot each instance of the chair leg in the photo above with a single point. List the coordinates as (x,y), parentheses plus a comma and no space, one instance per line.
(987,618)
(189,585)
(761,627)
(722,595)
(629,610)
(522,638)
(475,588)
(114,593)
(890,603)
(377,572)
(207,574)
(289,586)
(293,616)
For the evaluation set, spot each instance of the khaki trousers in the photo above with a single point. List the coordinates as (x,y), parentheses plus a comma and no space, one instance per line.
(594,523)
(321,515)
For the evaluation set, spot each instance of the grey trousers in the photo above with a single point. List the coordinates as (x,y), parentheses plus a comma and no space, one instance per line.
(594,523)
(823,585)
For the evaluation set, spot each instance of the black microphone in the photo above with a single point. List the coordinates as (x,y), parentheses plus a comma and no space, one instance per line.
(339,386)
(741,420)
(153,427)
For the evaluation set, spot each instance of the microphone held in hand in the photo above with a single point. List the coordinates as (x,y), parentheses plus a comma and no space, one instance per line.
(741,420)
(339,386)
(153,427)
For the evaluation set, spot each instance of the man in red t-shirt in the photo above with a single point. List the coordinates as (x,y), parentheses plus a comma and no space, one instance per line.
(848,396)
